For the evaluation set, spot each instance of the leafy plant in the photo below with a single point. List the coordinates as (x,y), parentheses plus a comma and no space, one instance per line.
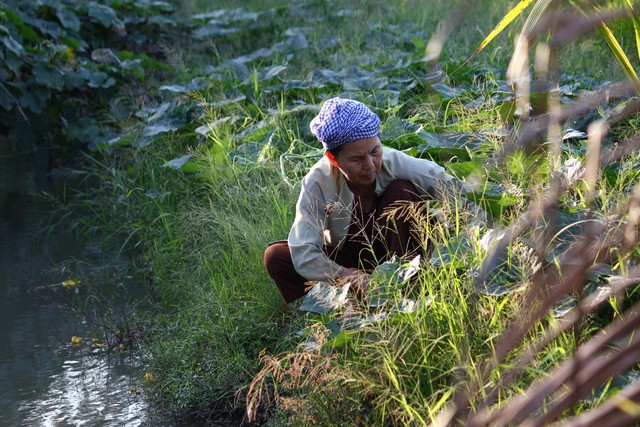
(61,62)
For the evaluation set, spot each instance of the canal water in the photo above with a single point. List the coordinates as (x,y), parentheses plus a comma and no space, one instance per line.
(46,379)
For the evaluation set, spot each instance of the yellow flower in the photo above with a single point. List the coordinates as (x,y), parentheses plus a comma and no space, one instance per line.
(133,390)
(76,340)
(149,377)
(69,283)
(71,55)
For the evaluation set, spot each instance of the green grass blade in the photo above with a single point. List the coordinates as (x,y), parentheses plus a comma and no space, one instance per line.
(506,20)
(636,26)
(621,57)
(611,40)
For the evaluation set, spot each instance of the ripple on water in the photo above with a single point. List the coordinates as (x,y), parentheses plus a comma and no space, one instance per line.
(91,389)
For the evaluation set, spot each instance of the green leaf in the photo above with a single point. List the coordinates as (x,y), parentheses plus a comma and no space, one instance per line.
(68,18)
(248,153)
(447,92)
(105,15)
(84,129)
(454,252)
(324,297)
(636,26)
(97,79)
(193,85)
(134,67)
(48,75)
(165,124)
(34,97)
(462,170)
(12,45)
(178,163)
(449,144)
(7,101)
(25,30)
(73,79)
(395,127)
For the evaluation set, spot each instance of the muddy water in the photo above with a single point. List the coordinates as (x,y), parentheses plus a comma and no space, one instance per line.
(45,380)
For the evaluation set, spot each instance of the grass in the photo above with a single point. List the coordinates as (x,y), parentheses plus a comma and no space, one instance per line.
(220,343)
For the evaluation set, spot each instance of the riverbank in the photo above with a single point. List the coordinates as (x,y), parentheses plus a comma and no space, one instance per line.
(205,177)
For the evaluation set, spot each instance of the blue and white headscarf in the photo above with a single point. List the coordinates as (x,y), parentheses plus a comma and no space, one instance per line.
(344,120)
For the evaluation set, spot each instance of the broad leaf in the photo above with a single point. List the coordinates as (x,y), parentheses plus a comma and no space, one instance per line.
(34,96)
(105,15)
(324,297)
(178,162)
(387,278)
(449,144)
(68,18)
(12,45)
(48,75)
(452,253)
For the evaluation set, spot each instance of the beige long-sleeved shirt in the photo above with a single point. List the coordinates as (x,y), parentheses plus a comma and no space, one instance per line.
(325,207)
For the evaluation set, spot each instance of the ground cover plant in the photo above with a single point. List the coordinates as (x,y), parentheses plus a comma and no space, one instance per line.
(527,320)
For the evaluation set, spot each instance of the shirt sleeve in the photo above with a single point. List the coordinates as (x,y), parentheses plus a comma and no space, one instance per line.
(306,241)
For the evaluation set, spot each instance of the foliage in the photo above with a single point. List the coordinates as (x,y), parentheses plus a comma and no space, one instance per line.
(62,62)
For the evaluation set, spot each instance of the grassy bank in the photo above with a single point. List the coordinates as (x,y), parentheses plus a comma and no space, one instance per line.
(205,174)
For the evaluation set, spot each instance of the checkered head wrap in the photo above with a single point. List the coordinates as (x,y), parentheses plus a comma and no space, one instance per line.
(344,120)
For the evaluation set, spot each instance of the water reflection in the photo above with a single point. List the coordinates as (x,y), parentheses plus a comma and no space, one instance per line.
(44,380)
(89,390)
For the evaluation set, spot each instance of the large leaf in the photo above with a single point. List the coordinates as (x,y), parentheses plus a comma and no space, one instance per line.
(449,144)
(512,264)
(387,278)
(98,79)
(395,128)
(178,163)
(324,297)
(12,45)
(68,18)
(167,123)
(7,100)
(34,96)
(48,75)
(105,15)
(452,253)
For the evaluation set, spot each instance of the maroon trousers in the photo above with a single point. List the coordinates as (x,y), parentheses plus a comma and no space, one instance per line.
(372,239)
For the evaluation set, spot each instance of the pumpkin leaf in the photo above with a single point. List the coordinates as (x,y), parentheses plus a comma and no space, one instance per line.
(324,297)
(68,18)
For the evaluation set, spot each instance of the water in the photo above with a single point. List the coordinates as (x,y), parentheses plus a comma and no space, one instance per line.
(45,380)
